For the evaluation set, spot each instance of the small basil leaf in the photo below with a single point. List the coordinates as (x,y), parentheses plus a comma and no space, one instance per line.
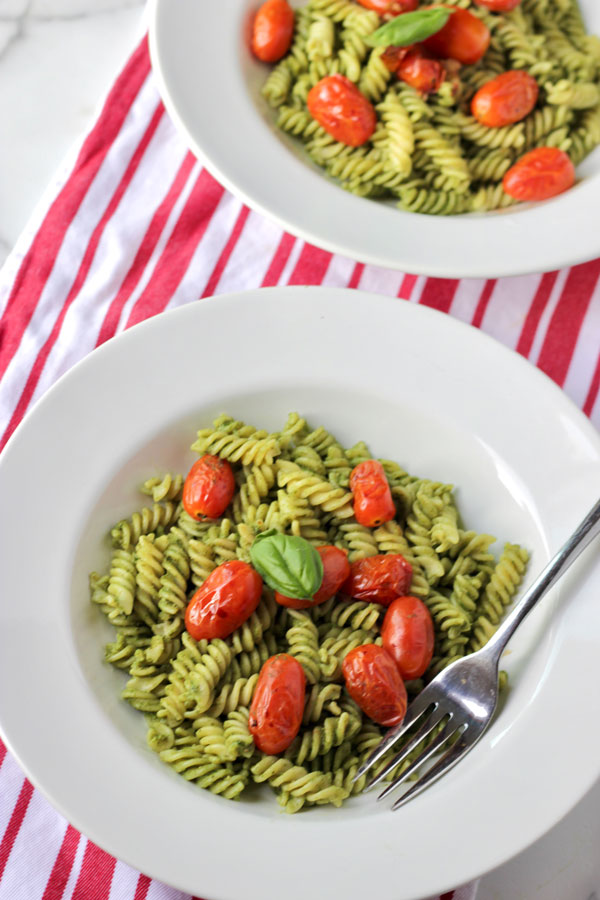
(409,28)
(288,564)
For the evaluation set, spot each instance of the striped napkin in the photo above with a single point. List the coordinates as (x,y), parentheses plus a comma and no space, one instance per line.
(133,225)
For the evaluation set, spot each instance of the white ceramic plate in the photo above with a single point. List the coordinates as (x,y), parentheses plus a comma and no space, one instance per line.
(438,396)
(211,84)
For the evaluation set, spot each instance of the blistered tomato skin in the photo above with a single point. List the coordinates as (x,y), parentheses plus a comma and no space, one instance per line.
(408,636)
(374,682)
(273,30)
(208,488)
(227,598)
(340,108)
(379,579)
(464,37)
(498,5)
(372,498)
(540,174)
(390,8)
(277,704)
(506,99)
(336,569)
(423,74)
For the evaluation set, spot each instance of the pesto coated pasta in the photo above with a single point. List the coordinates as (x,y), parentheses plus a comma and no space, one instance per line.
(196,694)
(428,152)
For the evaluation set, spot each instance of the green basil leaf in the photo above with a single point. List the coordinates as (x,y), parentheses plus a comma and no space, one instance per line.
(288,564)
(409,28)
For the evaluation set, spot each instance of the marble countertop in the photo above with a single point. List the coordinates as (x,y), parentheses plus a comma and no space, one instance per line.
(57,60)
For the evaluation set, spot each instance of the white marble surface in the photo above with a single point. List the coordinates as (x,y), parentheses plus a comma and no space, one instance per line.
(57,60)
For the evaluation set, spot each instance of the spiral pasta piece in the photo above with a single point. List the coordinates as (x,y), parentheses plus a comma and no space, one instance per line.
(318,491)
(303,644)
(233,694)
(169,487)
(126,533)
(314,787)
(249,450)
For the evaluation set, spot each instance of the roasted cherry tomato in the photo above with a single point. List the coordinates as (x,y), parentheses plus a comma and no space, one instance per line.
(393,56)
(379,579)
(208,488)
(505,99)
(227,598)
(424,74)
(336,569)
(374,682)
(407,633)
(372,500)
(387,9)
(272,30)
(464,37)
(340,108)
(540,174)
(498,5)
(277,704)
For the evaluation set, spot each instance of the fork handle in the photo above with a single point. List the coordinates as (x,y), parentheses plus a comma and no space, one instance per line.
(558,565)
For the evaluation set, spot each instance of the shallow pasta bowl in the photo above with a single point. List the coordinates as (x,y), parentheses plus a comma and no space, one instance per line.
(467,411)
(211,84)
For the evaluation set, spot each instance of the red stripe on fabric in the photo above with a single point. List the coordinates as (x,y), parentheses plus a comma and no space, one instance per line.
(142,887)
(145,251)
(407,286)
(311,266)
(280,257)
(359,268)
(482,303)
(63,864)
(438,293)
(226,252)
(563,331)
(3,752)
(82,273)
(448,896)
(590,400)
(187,234)
(14,824)
(39,259)
(540,301)
(95,876)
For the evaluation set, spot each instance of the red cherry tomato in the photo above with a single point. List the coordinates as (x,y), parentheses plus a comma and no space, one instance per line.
(407,633)
(464,37)
(498,5)
(277,704)
(336,569)
(379,579)
(390,8)
(227,598)
(505,99)
(208,488)
(540,174)
(374,682)
(272,30)
(372,500)
(340,108)
(393,56)
(424,74)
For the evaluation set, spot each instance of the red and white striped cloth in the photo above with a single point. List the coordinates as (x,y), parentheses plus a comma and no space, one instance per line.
(133,225)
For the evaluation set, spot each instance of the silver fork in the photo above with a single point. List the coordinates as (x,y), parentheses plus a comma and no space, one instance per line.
(461,700)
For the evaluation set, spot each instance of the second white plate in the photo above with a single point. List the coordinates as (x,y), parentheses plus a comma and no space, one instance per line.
(210,84)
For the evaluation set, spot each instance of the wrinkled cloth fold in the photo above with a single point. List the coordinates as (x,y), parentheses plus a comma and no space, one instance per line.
(133,225)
